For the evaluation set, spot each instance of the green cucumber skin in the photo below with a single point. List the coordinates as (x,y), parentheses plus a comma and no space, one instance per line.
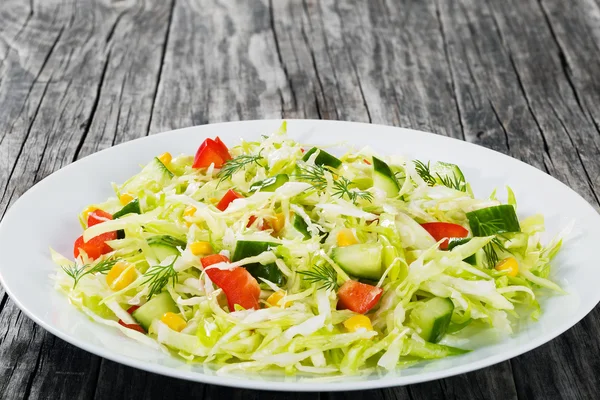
(360,260)
(453,242)
(270,184)
(505,214)
(433,318)
(383,178)
(155,308)
(428,350)
(248,248)
(300,225)
(324,158)
(133,207)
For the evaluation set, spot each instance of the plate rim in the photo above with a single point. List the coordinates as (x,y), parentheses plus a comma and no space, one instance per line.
(307,385)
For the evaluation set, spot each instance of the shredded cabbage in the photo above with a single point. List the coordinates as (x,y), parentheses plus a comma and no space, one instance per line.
(302,220)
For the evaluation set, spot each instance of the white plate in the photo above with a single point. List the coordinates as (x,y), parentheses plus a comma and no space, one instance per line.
(47,216)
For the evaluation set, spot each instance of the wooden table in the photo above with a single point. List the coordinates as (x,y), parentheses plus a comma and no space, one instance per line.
(77,76)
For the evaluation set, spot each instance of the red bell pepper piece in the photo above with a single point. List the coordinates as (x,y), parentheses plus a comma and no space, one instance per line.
(135,327)
(98,216)
(96,246)
(445,230)
(211,152)
(230,196)
(358,297)
(238,285)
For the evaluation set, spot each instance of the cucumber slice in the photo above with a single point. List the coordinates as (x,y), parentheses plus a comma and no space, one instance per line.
(324,158)
(493,220)
(154,171)
(360,260)
(270,184)
(453,242)
(431,350)
(133,207)
(384,179)
(251,248)
(164,246)
(432,318)
(447,172)
(155,308)
(300,225)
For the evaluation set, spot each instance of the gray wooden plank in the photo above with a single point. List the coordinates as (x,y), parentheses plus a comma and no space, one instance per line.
(220,65)
(453,68)
(49,88)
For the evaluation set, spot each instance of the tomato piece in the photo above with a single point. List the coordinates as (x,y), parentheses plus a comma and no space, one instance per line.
(230,196)
(445,230)
(135,327)
(96,246)
(238,285)
(222,149)
(358,297)
(98,216)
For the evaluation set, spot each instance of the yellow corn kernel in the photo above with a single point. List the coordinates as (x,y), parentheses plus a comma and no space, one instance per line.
(165,158)
(275,298)
(125,198)
(121,275)
(509,264)
(174,321)
(213,200)
(189,211)
(87,212)
(277,222)
(201,248)
(345,237)
(358,321)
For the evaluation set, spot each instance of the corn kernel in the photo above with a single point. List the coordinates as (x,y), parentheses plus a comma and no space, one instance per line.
(165,158)
(276,298)
(85,214)
(358,321)
(121,275)
(277,222)
(189,211)
(125,198)
(173,321)
(201,248)
(345,237)
(213,200)
(509,264)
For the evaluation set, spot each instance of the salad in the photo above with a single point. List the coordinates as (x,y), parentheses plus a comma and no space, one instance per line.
(276,255)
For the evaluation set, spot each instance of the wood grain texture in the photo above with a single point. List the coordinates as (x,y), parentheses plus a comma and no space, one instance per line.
(521,77)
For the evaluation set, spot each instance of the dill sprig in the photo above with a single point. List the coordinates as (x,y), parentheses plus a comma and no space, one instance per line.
(324,274)
(237,164)
(158,276)
(313,174)
(341,188)
(494,228)
(424,172)
(77,272)
(453,182)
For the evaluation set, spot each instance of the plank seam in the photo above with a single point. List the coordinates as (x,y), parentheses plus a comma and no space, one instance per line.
(280,58)
(88,123)
(450,69)
(162,63)
(37,366)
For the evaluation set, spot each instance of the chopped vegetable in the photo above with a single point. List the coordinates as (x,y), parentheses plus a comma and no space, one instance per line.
(263,256)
